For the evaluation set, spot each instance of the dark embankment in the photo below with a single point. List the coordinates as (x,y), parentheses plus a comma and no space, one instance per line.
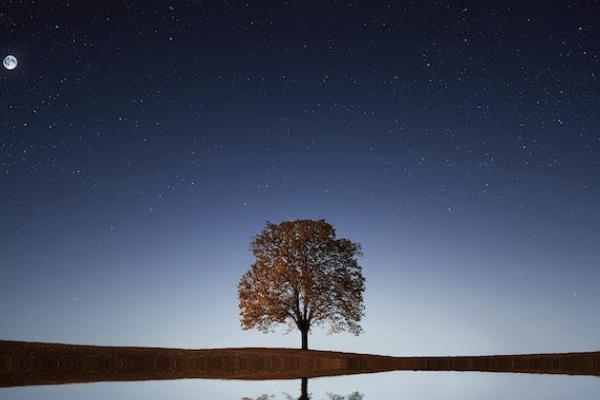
(24,363)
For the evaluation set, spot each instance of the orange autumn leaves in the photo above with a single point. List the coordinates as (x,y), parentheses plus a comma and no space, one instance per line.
(302,276)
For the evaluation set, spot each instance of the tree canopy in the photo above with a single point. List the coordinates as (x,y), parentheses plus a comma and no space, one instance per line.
(302,276)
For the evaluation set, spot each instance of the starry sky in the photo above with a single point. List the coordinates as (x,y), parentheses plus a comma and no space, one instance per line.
(143,144)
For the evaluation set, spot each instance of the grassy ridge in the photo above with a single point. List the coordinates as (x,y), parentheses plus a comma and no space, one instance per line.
(26,363)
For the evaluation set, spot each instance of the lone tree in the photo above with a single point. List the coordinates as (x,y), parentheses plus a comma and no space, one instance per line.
(303,276)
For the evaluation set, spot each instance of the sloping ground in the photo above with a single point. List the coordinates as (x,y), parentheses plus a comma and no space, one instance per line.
(25,363)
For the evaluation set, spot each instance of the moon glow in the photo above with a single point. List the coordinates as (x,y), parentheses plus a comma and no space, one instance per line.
(10,62)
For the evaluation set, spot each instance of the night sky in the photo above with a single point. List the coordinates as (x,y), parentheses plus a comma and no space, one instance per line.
(143,144)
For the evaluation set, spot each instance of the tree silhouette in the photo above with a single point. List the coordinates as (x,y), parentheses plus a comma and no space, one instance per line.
(303,276)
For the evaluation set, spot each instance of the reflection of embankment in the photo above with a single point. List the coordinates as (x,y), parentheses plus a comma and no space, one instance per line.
(23,363)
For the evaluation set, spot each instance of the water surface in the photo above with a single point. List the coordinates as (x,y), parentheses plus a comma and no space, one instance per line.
(388,385)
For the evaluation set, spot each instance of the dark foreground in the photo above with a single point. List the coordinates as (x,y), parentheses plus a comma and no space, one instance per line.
(24,363)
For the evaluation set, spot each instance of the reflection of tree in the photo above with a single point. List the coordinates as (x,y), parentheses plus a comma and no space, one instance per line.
(353,396)
(304,395)
(304,389)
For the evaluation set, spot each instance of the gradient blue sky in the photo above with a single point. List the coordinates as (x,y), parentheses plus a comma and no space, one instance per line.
(141,150)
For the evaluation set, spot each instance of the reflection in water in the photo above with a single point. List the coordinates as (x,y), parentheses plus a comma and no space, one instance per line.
(303,389)
(352,396)
(392,386)
(305,395)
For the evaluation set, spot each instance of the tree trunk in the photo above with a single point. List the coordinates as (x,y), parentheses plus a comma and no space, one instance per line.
(304,333)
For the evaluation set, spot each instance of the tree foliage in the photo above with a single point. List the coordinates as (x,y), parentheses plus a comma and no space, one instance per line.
(304,276)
